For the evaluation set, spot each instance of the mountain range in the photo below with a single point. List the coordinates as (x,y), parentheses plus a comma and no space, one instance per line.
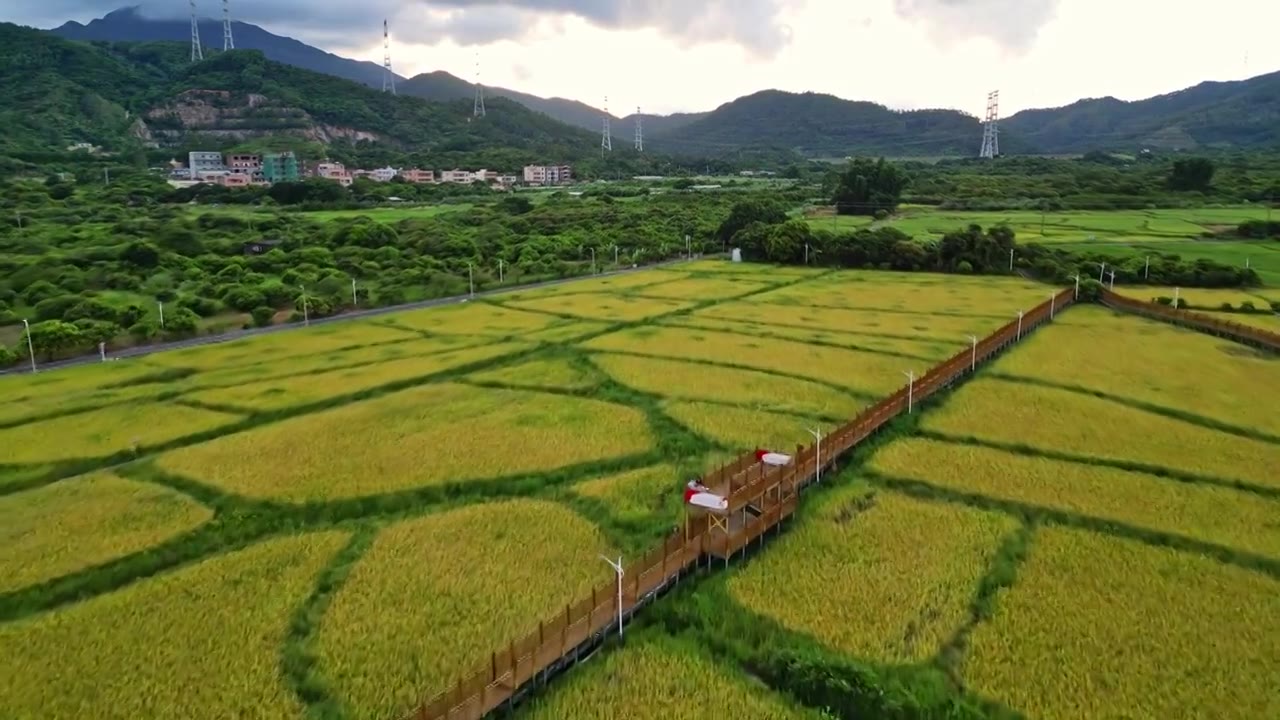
(1240,114)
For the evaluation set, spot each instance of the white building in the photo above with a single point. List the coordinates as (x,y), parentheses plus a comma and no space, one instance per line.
(202,162)
(384,174)
(548,175)
(462,177)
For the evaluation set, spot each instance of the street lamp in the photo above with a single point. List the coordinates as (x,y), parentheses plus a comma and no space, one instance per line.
(817,436)
(471,281)
(617,569)
(354,300)
(973,363)
(30,347)
(1011,259)
(501,275)
(1146,272)
(161,314)
(1053,301)
(1102,270)
(306,312)
(1113,279)
(1077,276)
(911,387)
(1019,324)
(1176,291)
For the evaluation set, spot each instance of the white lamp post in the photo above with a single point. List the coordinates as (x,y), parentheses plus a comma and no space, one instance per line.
(501,273)
(31,348)
(1146,272)
(911,387)
(161,315)
(1113,279)
(354,300)
(817,436)
(1019,324)
(1053,301)
(1011,259)
(973,363)
(617,568)
(1077,286)
(593,261)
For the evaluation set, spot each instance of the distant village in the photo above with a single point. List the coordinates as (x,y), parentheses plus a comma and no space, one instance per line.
(245,169)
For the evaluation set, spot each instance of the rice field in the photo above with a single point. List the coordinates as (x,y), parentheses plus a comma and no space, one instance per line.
(659,678)
(910,325)
(1216,515)
(1098,626)
(1270,322)
(1156,363)
(200,642)
(60,529)
(698,381)
(488,452)
(299,390)
(432,597)
(1069,422)
(867,373)
(601,306)
(554,374)
(1202,298)
(743,428)
(884,577)
(431,435)
(106,432)
(471,318)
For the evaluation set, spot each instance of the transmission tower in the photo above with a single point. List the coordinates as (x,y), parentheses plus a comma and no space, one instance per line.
(478,110)
(991,128)
(606,139)
(228,43)
(196,54)
(639,132)
(388,77)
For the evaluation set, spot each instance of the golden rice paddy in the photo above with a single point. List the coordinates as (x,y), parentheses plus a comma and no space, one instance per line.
(599,306)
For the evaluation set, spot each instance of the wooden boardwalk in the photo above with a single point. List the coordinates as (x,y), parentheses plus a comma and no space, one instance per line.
(760,498)
(1246,334)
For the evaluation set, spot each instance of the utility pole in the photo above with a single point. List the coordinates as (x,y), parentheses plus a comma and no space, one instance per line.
(388,77)
(639,132)
(477,108)
(228,43)
(606,135)
(31,348)
(911,387)
(991,128)
(196,53)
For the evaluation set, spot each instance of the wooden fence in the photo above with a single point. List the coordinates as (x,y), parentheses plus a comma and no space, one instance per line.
(760,498)
(1197,321)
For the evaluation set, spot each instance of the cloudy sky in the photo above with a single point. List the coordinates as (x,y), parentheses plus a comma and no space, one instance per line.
(673,55)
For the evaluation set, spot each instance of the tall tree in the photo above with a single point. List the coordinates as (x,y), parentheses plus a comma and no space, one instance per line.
(1192,174)
(868,186)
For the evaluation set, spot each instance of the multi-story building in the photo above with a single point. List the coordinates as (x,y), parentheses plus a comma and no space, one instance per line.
(244,163)
(280,167)
(383,174)
(461,177)
(334,171)
(507,181)
(202,162)
(548,174)
(415,175)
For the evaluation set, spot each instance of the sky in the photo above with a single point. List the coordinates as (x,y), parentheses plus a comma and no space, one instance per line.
(690,55)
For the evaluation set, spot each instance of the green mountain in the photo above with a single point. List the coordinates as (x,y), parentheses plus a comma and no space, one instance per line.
(1225,115)
(123,96)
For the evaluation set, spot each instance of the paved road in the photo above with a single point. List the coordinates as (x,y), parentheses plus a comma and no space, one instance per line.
(355,315)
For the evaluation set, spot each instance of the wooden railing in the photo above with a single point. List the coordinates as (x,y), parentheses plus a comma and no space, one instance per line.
(760,497)
(1239,332)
